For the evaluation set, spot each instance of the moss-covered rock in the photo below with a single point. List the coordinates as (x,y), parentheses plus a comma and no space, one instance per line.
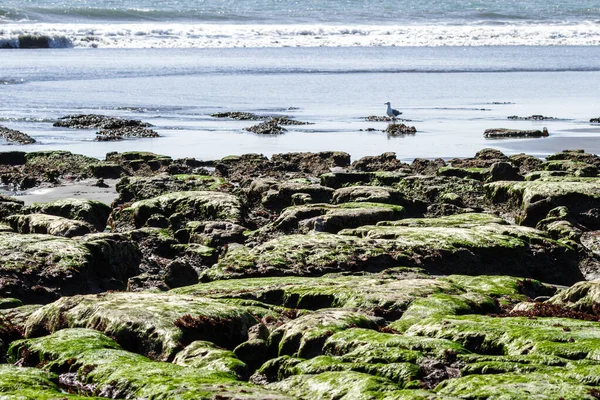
(9,206)
(583,296)
(478,174)
(313,254)
(475,244)
(370,194)
(386,294)
(338,180)
(48,224)
(180,207)
(154,324)
(340,385)
(19,383)
(138,188)
(559,337)
(516,385)
(384,162)
(532,200)
(276,195)
(402,373)
(208,356)
(332,218)
(95,364)
(466,244)
(305,336)
(92,212)
(369,345)
(212,233)
(570,167)
(432,189)
(576,155)
(39,268)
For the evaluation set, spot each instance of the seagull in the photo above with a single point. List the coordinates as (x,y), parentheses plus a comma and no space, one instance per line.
(392,113)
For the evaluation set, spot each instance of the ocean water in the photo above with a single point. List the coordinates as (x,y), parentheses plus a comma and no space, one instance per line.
(454,69)
(280,23)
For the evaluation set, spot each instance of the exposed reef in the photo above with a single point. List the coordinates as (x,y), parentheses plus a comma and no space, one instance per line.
(302,275)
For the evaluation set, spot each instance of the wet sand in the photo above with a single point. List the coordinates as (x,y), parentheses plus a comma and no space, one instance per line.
(80,190)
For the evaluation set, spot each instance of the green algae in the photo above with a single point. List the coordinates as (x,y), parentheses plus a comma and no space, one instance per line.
(48,224)
(8,302)
(37,252)
(532,385)
(112,372)
(333,218)
(364,340)
(339,385)
(583,296)
(154,324)
(92,212)
(440,304)
(387,294)
(402,373)
(193,205)
(560,337)
(314,254)
(208,356)
(19,383)
(464,220)
(304,337)
(573,193)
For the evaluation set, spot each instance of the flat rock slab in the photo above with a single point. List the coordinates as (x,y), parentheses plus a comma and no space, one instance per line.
(466,244)
(511,133)
(154,324)
(190,206)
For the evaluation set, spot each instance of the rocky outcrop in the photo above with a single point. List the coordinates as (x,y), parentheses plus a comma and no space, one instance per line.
(177,208)
(91,212)
(39,268)
(400,130)
(240,116)
(271,127)
(511,133)
(532,118)
(91,121)
(107,135)
(303,275)
(12,136)
(383,162)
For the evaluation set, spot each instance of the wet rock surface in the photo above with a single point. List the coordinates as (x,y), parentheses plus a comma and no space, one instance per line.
(125,132)
(532,118)
(271,127)
(15,137)
(302,275)
(91,121)
(507,133)
(400,130)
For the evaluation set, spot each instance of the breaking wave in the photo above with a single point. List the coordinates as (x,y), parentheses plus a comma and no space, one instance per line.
(178,35)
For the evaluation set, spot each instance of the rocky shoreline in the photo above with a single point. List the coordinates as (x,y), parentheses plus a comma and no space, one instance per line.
(303,275)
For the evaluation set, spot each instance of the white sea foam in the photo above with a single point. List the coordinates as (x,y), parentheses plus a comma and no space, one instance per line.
(178,35)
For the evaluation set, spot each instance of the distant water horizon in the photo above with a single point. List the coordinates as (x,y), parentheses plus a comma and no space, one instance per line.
(309,23)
